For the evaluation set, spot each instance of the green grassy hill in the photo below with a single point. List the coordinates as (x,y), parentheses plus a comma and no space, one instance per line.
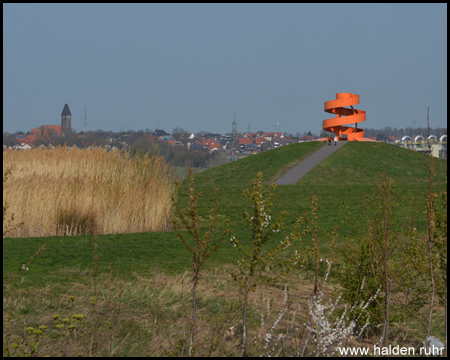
(152,314)
(344,176)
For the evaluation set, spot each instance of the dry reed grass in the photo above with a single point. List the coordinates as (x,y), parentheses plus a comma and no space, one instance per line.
(76,191)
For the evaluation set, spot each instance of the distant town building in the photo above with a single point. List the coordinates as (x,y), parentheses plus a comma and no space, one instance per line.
(159,133)
(66,121)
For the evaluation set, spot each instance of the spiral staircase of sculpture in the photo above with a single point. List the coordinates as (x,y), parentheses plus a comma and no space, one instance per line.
(342,107)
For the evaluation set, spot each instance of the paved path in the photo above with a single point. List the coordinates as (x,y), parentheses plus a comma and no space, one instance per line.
(300,170)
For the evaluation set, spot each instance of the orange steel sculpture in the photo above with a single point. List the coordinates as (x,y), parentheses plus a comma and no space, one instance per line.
(351,116)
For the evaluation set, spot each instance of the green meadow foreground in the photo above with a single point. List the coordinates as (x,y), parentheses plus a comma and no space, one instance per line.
(129,292)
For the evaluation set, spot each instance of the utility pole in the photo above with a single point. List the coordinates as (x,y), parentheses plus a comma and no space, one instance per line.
(235,138)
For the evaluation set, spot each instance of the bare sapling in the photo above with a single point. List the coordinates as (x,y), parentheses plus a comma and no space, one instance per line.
(430,228)
(430,204)
(425,274)
(203,246)
(379,252)
(312,229)
(430,266)
(440,242)
(263,265)
(385,239)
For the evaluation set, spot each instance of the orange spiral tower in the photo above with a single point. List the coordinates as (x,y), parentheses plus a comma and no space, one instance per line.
(344,116)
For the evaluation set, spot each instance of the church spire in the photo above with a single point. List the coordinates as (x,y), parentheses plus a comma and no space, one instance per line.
(66,121)
(66,110)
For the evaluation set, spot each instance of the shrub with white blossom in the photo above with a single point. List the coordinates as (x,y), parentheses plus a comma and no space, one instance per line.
(328,331)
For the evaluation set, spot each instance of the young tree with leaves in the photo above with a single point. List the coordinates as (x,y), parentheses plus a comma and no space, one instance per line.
(378,253)
(261,265)
(204,245)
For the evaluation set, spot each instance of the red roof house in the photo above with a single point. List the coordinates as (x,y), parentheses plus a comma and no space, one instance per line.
(243,141)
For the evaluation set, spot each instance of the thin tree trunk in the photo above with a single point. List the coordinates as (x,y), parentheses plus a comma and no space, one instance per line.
(433,288)
(445,355)
(388,287)
(430,233)
(244,327)
(194,290)
(316,268)
(386,313)
(306,340)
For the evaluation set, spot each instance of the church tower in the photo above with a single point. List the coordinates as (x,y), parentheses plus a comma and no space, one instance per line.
(66,121)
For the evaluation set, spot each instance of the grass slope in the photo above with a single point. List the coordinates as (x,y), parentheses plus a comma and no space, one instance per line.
(151,266)
(344,176)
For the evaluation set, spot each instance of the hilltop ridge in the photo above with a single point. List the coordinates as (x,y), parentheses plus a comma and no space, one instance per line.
(345,176)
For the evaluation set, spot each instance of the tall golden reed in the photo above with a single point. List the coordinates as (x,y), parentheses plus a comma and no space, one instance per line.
(71,191)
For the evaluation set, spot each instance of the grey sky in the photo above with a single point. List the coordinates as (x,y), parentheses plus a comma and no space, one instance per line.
(137,66)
